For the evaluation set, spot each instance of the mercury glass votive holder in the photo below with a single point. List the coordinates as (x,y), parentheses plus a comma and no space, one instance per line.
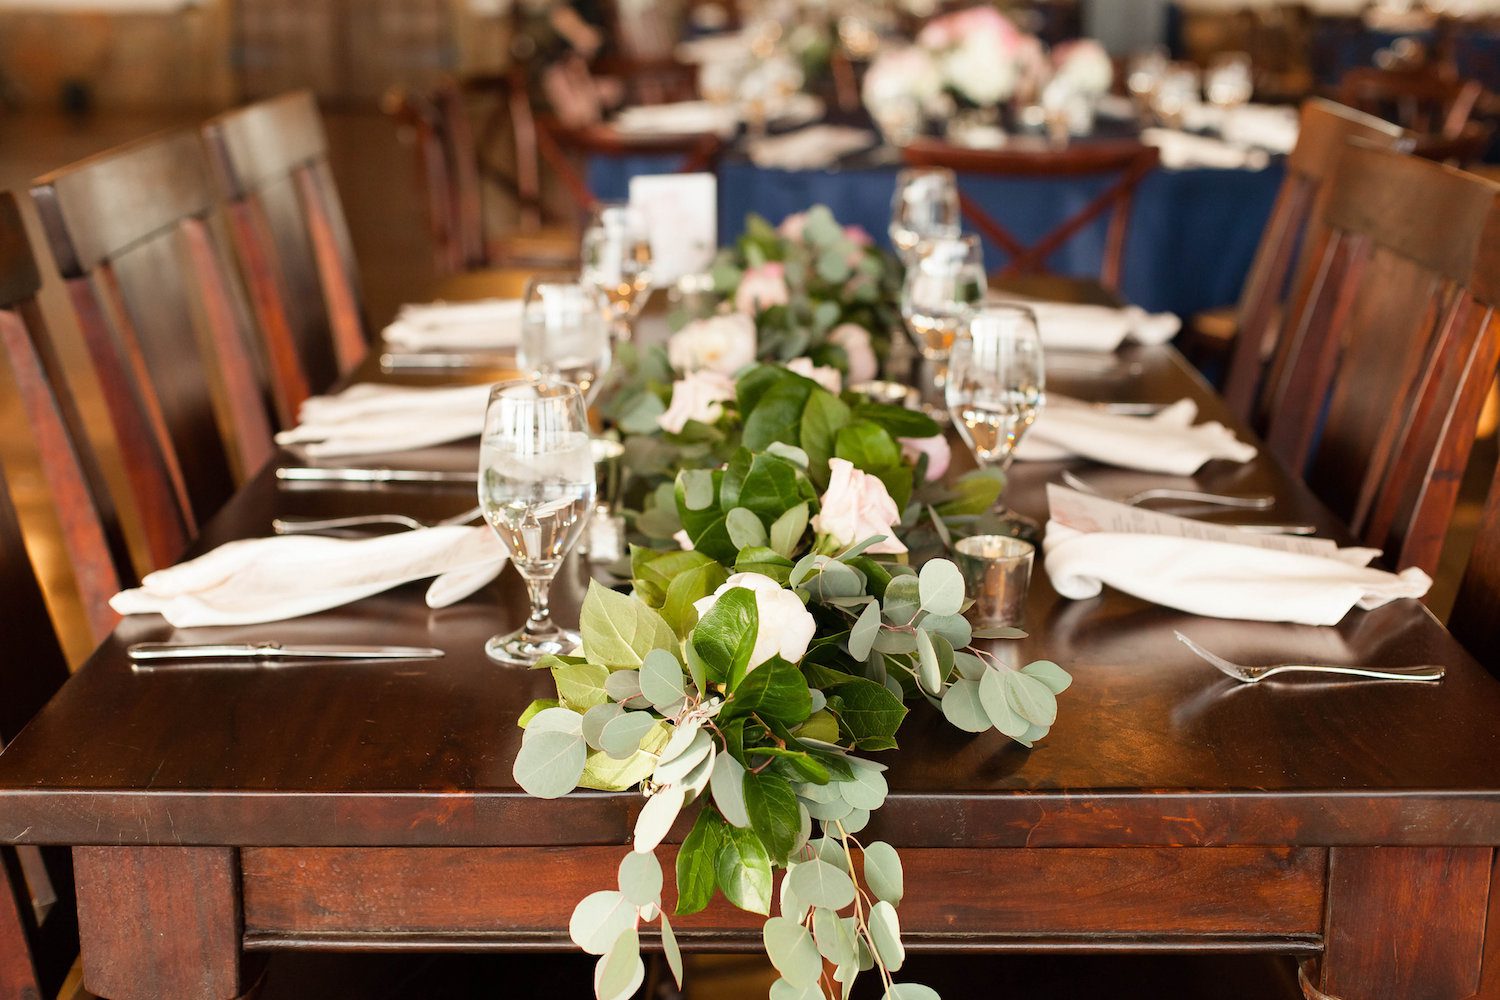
(997,574)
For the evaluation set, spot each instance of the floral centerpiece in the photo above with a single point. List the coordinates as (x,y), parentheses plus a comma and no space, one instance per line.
(743,677)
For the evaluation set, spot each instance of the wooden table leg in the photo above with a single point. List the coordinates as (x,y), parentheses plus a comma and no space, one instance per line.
(161,922)
(1403,922)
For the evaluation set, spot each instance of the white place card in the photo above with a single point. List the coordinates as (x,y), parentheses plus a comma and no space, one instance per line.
(682,213)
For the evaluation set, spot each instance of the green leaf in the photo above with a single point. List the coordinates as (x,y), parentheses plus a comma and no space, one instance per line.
(822,419)
(962,707)
(687,587)
(885,934)
(705,527)
(870,713)
(640,878)
(820,725)
(550,763)
(537,706)
(775,689)
(772,806)
(911,991)
(997,706)
(618,631)
(883,872)
(970,667)
(599,919)
(999,632)
(808,767)
(581,685)
(819,883)
(745,529)
(670,948)
(554,720)
(931,673)
(727,785)
(744,870)
(661,679)
(868,446)
(941,588)
(902,600)
(622,735)
(767,485)
(766,562)
(698,489)
(898,421)
(777,415)
(697,862)
(620,972)
(862,635)
(1031,699)
(1056,678)
(791,949)
(725,636)
(954,628)
(787,530)
(865,790)
(832,937)
(973,494)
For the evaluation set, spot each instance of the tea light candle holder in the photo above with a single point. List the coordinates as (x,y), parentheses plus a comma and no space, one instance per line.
(997,573)
(890,393)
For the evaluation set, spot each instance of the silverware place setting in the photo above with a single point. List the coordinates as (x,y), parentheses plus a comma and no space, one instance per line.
(1246,674)
(161,655)
(366,476)
(317,525)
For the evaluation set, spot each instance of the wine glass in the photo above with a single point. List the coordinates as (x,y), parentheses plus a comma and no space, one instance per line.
(565,332)
(617,258)
(943,289)
(1229,82)
(924,207)
(536,488)
(996,382)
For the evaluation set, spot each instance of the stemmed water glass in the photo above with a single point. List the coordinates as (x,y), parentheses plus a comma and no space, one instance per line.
(996,382)
(616,255)
(536,489)
(565,332)
(943,289)
(924,207)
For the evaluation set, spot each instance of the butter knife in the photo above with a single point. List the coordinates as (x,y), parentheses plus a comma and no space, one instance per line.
(347,475)
(149,655)
(444,360)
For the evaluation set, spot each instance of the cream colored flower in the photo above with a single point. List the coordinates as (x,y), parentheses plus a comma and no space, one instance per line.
(855,341)
(696,396)
(857,506)
(786,627)
(722,344)
(829,378)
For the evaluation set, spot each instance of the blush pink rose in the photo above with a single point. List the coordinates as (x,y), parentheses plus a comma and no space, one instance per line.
(761,288)
(855,341)
(937,450)
(858,236)
(697,396)
(723,344)
(793,226)
(857,506)
(829,378)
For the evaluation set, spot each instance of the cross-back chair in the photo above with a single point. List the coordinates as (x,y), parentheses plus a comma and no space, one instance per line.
(271,162)
(1324,131)
(1123,164)
(133,233)
(1381,374)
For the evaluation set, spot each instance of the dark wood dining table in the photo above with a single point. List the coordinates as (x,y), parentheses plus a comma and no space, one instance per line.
(217,814)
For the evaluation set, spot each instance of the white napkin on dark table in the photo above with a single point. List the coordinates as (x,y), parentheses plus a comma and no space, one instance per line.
(680,118)
(1168,442)
(367,419)
(1187,151)
(484,324)
(271,579)
(1068,327)
(813,148)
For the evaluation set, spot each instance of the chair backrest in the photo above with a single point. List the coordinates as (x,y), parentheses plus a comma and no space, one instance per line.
(1126,164)
(271,162)
(1383,361)
(91,537)
(132,231)
(1421,99)
(436,122)
(1325,129)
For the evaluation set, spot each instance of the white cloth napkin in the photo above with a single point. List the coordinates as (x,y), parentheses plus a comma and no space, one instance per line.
(811,148)
(1221,579)
(1068,327)
(1167,442)
(681,118)
(271,579)
(1186,151)
(1264,126)
(370,419)
(485,324)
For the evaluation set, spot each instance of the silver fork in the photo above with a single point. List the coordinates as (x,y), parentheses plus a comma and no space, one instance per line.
(1243,501)
(1252,675)
(313,526)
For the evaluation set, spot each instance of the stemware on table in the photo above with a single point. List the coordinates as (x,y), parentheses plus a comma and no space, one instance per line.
(943,289)
(924,207)
(616,253)
(565,332)
(536,488)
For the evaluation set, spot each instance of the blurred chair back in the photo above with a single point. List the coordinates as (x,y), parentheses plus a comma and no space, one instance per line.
(1421,99)
(271,161)
(1124,164)
(1380,373)
(1325,129)
(1465,149)
(164,321)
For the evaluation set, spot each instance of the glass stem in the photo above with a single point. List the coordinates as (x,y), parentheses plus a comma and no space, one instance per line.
(540,620)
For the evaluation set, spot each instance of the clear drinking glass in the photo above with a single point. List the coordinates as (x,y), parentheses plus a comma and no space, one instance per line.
(943,289)
(565,332)
(996,382)
(1229,81)
(924,207)
(617,258)
(536,488)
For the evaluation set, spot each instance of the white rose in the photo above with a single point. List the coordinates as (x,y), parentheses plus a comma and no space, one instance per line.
(855,340)
(857,506)
(786,626)
(684,540)
(974,70)
(828,378)
(696,396)
(723,344)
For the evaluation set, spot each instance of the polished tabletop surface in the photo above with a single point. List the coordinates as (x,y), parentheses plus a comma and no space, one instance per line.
(1151,746)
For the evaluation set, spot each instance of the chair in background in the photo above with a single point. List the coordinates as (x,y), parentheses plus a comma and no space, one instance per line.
(1325,129)
(271,162)
(1423,99)
(162,317)
(1123,164)
(1465,149)
(1382,369)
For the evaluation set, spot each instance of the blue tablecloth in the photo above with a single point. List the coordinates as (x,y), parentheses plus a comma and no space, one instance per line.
(1192,237)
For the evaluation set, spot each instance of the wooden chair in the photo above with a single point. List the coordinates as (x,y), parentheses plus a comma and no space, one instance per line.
(1382,372)
(1325,129)
(1466,148)
(1424,99)
(271,163)
(160,312)
(1026,271)
(564,147)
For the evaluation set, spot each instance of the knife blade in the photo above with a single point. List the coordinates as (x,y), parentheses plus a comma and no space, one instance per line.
(348,475)
(148,655)
(445,361)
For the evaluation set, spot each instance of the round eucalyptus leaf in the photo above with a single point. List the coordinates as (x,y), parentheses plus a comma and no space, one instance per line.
(819,700)
(804,828)
(697,489)
(661,678)
(672,770)
(911,991)
(745,529)
(862,635)
(728,788)
(622,685)
(883,872)
(941,587)
(1031,699)
(997,705)
(866,790)
(672,951)
(783,990)
(792,951)
(791,907)
(856,821)
(810,792)
(969,666)
(599,919)
(827,812)
(681,738)
(620,972)
(902,600)
(885,934)
(555,720)
(657,817)
(594,721)
(640,878)
(550,764)
(930,672)
(818,883)
(831,850)
(1056,678)
(861,764)
(832,937)
(954,628)
(696,780)
(622,735)
(961,706)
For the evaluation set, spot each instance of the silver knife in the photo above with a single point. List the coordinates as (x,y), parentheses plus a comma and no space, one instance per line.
(443,360)
(346,475)
(166,654)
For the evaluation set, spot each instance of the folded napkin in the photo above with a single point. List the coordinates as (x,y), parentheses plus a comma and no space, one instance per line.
(271,579)
(486,324)
(1167,442)
(369,419)
(1264,126)
(1221,579)
(811,148)
(1186,151)
(1067,327)
(681,118)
